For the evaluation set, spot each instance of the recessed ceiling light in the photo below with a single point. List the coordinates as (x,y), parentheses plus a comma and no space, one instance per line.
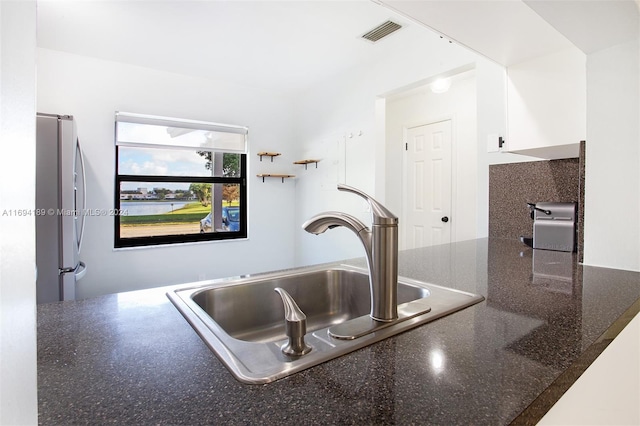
(441,85)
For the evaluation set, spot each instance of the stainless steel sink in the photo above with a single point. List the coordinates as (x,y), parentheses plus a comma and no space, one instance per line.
(242,320)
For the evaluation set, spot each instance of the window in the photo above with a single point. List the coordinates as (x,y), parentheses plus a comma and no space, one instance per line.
(178,181)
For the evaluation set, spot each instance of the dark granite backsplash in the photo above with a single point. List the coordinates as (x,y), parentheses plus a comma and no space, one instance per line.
(512,186)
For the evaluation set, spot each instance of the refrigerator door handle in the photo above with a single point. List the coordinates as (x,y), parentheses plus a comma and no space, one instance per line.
(80,271)
(84,195)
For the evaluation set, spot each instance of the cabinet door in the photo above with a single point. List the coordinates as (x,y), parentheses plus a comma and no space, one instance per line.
(546,105)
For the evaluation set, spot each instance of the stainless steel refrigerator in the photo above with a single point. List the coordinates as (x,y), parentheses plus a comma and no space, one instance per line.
(60,207)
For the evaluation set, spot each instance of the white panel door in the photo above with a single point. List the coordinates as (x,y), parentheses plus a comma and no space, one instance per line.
(428,185)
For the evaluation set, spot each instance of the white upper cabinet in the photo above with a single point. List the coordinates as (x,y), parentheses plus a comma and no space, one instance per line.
(546,105)
(546,73)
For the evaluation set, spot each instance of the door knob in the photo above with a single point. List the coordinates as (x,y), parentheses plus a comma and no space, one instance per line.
(445,219)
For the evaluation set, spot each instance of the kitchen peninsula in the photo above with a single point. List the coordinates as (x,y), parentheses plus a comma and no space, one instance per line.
(131,358)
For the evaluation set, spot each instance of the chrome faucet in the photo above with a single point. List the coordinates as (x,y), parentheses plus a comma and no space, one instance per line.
(381,247)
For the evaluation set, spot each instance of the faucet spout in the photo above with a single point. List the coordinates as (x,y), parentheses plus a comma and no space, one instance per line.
(319,223)
(381,247)
(329,220)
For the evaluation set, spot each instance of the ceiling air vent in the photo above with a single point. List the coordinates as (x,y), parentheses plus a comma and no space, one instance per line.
(381,31)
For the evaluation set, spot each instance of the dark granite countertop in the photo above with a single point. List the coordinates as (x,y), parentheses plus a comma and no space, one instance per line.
(131,358)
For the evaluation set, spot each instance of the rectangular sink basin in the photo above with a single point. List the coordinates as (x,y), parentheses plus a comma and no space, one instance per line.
(242,320)
(254,312)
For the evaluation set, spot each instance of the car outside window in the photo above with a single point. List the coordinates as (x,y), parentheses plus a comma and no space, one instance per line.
(178,181)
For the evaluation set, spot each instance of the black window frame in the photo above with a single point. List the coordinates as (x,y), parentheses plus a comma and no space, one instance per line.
(241,180)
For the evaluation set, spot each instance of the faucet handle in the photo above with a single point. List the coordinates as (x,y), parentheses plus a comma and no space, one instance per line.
(381,215)
(296,326)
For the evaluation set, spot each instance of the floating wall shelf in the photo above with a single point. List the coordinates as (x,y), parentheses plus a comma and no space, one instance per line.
(283,177)
(268,154)
(306,162)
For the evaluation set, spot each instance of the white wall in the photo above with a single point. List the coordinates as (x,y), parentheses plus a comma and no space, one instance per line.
(350,103)
(92,90)
(612,208)
(424,107)
(18,383)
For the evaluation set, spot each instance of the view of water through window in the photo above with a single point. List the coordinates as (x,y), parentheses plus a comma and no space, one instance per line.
(141,208)
(152,210)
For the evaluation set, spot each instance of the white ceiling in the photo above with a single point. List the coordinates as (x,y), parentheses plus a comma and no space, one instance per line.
(513,31)
(591,25)
(288,45)
(507,31)
(280,45)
